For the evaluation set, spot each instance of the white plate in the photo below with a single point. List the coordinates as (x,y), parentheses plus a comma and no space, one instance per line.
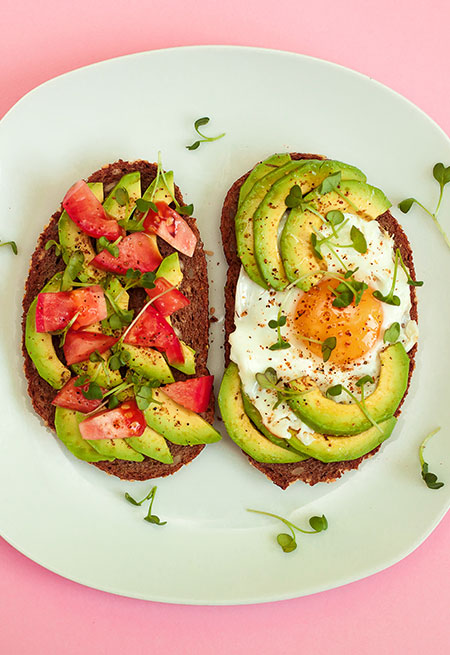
(72,518)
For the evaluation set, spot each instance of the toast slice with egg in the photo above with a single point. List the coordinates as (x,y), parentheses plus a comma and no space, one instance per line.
(290,468)
(190,323)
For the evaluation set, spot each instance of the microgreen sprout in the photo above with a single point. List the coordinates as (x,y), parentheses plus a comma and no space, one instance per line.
(58,247)
(441,174)
(12,244)
(270,380)
(280,344)
(390,298)
(118,359)
(392,333)
(198,123)
(150,518)
(64,331)
(72,270)
(111,247)
(430,479)
(327,345)
(337,389)
(122,197)
(287,542)
(410,281)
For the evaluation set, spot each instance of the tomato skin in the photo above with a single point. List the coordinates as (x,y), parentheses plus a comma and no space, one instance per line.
(171,301)
(123,422)
(91,304)
(54,311)
(71,397)
(80,344)
(194,394)
(138,251)
(87,212)
(153,331)
(170,226)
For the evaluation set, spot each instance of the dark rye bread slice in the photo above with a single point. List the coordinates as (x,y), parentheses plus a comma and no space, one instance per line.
(310,471)
(191,323)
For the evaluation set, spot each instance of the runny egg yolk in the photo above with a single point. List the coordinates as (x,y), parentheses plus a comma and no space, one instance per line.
(356,327)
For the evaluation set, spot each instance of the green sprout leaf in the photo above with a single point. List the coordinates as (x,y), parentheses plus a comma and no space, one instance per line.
(186,210)
(358,240)
(315,246)
(280,344)
(392,334)
(93,392)
(113,402)
(150,518)
(96,357)
(287,542)
(122,197)
(112,248)
(441,174)
(318,523)
(205,139)
(335,217)
(81,380)
(328,345)
(330,183)
(430,479)
(294,198)
(366,379)
(405,205)
(336,390)
(12,244)
(73,269)
(52,243)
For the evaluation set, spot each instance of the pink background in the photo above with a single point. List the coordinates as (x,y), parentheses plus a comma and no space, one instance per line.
(401,610)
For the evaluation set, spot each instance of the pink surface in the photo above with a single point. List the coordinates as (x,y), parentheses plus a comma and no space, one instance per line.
(401,610)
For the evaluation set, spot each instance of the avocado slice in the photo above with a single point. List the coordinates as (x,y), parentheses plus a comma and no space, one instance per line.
(131,182)
(295,245)
(115,448)
(325,448)
(244,219)
(240,428)
(329,417)
(267,218)
(344,449)
(72,238)
(40,347)
(255,417)
(153,445)
(148,362)
(261,169)
(178,424)
(170,269)
(188,366)
(159,190)
(66,424)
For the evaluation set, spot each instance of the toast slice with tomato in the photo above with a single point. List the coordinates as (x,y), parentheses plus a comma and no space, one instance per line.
(116,324)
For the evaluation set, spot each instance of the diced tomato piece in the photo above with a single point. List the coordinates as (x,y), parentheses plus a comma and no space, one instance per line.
(193,394)
(79,345)
(138,251)
(91,304)
(88,213)
(170,226)
(153,331)
(169,300)
(71,397)
(54,311)
(125,421)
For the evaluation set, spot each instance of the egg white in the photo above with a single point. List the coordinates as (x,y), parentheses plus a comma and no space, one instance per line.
(255,307)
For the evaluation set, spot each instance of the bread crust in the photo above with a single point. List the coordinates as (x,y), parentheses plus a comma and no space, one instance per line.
(191,323)
(310,471)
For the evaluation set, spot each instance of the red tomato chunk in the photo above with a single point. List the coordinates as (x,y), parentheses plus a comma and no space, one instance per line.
(170,226)
(170,299)
(194,394)
(79,345)
(153,331)
(138,251)
(87,212)
(124,422)
(71,397)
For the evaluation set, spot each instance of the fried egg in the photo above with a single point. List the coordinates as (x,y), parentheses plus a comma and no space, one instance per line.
(311,318)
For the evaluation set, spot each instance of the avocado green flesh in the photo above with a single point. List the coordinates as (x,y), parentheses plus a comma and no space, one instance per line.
(159,192)
(66,424)
(170,269)
(178,424)
(266,166)
(116,449)
(329,417)
(240,428)
(72,238)
(131,182)
(344,449)
(267,218)
(244,219)
(255,417)
(297,255)
(149,363)
(153,445)
(40,347)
